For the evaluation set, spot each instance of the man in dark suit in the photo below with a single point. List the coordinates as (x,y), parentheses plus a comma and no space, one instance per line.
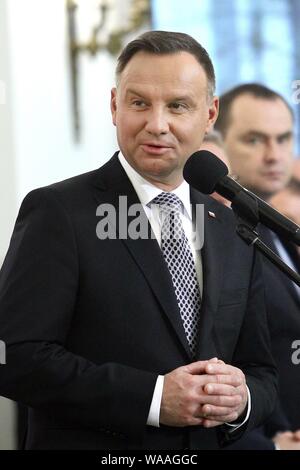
(116,341)
(257,127)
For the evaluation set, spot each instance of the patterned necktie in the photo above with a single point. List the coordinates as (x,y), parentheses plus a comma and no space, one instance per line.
(180,261)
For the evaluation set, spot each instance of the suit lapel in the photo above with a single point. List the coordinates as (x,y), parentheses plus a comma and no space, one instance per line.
(112,182)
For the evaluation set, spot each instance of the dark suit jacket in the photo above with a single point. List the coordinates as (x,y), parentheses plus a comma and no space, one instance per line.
(283,310)
(89,323)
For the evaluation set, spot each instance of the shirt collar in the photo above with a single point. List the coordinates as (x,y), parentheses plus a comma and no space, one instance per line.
(146,191)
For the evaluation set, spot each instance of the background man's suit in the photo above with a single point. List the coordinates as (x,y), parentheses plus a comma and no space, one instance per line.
(90,323)
(283,311)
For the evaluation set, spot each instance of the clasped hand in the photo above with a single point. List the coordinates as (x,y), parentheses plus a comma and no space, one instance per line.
(207,393)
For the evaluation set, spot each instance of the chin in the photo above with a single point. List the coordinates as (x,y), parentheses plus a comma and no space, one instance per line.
(159,168)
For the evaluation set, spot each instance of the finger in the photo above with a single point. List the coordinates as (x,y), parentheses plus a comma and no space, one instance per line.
(218,412)
(223,369)
(211,421)
(198,367)
(225,379)
(220,389)
(220,400)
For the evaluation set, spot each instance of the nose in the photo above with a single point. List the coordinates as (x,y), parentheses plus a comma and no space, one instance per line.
(157,122)
(273,151)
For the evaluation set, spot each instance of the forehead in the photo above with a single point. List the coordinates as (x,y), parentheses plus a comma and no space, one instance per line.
(180,69)
(270,116)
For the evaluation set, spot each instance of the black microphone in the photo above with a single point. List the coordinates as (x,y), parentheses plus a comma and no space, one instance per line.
(205,172)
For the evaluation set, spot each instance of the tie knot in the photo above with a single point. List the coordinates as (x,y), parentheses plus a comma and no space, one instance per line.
(168,202)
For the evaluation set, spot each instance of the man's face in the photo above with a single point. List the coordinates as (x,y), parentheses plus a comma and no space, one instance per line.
(259,143)
(161,110)
(287,202)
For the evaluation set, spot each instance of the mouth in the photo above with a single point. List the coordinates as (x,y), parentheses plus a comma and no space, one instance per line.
(273,174)
(155,148)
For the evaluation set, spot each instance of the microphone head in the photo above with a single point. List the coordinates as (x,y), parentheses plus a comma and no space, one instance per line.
(203,170)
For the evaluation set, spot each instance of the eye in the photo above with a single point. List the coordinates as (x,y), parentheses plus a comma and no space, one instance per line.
(178,107)
(138,103)
(284,138)
(254,140)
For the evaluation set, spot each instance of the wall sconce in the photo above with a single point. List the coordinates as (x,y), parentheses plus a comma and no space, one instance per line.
(139,14)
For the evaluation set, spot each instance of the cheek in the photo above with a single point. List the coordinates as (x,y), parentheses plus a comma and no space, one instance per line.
(130,124)
(250,159)
(288,161)
(124,126)
(188,133)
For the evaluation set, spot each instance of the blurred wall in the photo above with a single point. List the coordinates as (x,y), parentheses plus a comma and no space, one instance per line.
(7,194)
(45,150)
(7,153)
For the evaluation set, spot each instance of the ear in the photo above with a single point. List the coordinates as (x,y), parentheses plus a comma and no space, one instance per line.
(113,105)
(212,114)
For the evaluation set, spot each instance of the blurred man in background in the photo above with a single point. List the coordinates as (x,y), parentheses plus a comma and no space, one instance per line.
(257,127)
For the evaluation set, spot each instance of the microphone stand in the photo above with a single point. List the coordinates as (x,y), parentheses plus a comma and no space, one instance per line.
(245,208)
